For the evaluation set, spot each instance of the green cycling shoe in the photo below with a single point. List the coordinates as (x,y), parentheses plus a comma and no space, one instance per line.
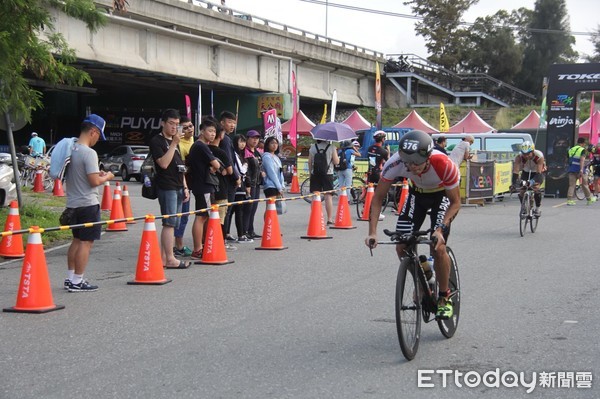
(445,310)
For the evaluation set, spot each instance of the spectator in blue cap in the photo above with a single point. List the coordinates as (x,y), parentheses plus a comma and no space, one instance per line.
(83,179)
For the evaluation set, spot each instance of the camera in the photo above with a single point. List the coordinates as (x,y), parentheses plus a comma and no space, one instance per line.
(181,168)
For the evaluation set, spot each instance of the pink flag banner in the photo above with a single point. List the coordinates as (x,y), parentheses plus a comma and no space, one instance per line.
(593,126)
(294,121)
(188,106)
(270,124)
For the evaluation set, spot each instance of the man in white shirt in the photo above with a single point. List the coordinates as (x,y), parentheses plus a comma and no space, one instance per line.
(461,152)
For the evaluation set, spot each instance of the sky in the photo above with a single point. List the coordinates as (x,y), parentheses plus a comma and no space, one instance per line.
(391,34)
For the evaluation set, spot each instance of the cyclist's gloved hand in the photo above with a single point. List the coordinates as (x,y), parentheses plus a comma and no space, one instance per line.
(531,182)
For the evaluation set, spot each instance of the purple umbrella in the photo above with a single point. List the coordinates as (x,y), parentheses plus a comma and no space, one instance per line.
(333,131)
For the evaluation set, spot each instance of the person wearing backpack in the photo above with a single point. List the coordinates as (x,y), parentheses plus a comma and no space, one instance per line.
(345,168)
(322,157)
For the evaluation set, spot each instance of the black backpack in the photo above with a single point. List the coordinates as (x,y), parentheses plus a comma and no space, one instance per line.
(343,165)
(320,164)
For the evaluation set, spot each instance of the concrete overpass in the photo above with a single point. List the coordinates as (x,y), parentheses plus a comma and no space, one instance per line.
(159,43)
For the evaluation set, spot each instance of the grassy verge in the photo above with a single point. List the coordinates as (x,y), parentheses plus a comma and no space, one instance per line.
(42,210)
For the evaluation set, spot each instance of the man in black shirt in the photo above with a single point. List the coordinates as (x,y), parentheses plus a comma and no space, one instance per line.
(228,121)
(224,173)
(377,155)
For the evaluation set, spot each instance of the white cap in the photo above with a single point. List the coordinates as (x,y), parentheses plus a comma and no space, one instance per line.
(355,143)
(33,134)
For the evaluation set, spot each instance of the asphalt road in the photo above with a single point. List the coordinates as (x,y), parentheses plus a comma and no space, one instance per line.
(316,320)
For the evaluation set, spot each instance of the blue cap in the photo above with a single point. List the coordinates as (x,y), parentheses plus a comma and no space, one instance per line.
(252,133)
(97,121)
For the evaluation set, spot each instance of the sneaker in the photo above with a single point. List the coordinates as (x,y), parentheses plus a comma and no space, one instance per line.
(178,252)
(67,284)
(254,235)
(445,311)
(230,238)
(196,254)
(230,247)
(83,286)
(381,216)
(185,251)
(571,202)
(537,213)
(244,239)
(591,200)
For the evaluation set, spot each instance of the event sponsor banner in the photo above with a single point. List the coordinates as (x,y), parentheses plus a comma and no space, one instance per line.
(503,176)
(565,82)
(481,180)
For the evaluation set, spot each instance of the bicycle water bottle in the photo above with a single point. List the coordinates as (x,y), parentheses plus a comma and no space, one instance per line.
(147,181)
(426,264)
(431,280)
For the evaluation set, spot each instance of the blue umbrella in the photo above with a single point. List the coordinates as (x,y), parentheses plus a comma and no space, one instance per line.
(333,131)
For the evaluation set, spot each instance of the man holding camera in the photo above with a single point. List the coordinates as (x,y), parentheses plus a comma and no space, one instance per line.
(170,182)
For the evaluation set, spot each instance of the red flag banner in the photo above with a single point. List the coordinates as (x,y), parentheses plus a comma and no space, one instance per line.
(377,95)
(188,107)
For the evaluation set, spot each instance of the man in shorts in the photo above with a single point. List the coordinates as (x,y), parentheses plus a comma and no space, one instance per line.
(201,162)
(83,179)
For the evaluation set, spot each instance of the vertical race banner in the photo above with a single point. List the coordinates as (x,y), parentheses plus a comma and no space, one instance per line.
(199,109)
(593,126)
(188,107)
(324,117)
(333,105)
(444,124)
(377,96)
(293,133)
(270,124)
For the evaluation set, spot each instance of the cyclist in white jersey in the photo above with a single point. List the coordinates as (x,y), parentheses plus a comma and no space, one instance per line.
(434,186)
(530,163)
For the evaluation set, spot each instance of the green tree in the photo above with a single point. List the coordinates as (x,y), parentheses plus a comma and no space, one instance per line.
(30,47)
(548,41)
(491,47)
(440,28)
(595,39)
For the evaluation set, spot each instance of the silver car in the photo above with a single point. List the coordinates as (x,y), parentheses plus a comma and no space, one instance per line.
(8,189)
(125,160)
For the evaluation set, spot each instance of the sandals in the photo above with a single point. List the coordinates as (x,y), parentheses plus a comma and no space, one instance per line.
(181,265)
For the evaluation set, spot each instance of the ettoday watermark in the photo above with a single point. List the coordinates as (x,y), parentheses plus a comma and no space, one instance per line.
(509,379)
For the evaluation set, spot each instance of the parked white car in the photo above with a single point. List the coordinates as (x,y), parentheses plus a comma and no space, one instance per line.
(8,188)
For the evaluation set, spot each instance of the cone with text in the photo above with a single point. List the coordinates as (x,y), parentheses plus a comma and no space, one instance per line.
(316,224)
(107,200)
(11,246)
(214,252)
(116,213)
(343,219)
(368,200)
(149,270)
(34,294)
(271,236)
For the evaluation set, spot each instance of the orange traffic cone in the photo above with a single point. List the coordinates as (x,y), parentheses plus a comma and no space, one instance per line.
(118,187)
(403,196)
(343,220)
(106,198)
(126,205)
(34,295)
(116,213)
(295,189)
(58,191)
(316,224)
(368,200)
(271,236)
(149,266)
(11,246)
(213,252)
(38,182)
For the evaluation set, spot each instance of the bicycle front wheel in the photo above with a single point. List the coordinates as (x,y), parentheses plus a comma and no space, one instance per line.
(305,190)
(408,308)
(524,214)
(448,327)
(579,192)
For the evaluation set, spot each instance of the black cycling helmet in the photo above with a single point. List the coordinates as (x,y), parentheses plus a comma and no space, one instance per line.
(415,146)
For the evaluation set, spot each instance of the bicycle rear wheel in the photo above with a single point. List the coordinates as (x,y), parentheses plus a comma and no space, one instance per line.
(448,327)
(579,191)
(524,213)
(408,308)
(361,195)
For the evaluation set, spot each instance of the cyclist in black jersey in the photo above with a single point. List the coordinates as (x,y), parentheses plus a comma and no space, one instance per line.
(377,154)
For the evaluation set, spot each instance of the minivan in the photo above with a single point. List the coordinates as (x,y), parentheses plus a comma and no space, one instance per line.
(489,146)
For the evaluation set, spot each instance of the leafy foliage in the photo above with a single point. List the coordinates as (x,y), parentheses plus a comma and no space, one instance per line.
(30,47)
(596,42)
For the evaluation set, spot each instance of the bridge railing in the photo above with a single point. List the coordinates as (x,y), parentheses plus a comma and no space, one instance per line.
(463,82)
(286,28)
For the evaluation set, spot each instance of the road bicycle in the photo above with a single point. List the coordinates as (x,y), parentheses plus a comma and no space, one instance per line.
(29,167)
(353,192)
(526,215)
(416,296)
(579,194)
(391,199)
